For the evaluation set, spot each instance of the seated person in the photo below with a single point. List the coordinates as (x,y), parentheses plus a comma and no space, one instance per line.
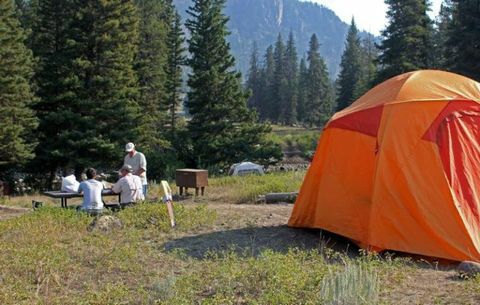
(92,193)
(128,186)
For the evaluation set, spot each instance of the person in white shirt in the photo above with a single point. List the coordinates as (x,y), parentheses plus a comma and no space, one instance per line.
(138,163)
(92,193)
(128,186)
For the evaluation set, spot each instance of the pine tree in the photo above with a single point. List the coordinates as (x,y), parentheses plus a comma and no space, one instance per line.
(319,93)
(58,86)
(267,109)
(369,54)
(150,66)
(406,44)
(442,32)
(175,60)
(106,37)
(254,79)
(26,11)
(288,112)
(464,38)
(279,81)
(222,129)
(302,91)
(17,120)
(350,69)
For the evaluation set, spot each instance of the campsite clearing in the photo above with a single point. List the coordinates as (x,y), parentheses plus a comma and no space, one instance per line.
(220,253)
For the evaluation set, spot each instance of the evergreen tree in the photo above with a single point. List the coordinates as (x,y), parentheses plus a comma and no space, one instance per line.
(464,38)
(267,109)
(254,79)
(369,54)
(17,120)
(26,11)
(106,36)
(58,86)
(350,69)
(150,66)
(288,111)
(302,91)
(406,44)
(319,93)
(222,129)
(279,80)
(175,60)
(442,31)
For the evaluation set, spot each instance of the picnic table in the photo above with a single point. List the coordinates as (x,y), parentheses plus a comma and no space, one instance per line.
(66,195)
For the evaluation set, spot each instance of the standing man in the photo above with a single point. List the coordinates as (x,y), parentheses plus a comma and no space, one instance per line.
(138,163)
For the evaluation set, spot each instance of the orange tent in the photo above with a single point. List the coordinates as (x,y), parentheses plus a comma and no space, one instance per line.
(400,169)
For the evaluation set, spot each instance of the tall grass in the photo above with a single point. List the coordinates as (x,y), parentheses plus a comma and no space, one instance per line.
(355,284)
(243,189)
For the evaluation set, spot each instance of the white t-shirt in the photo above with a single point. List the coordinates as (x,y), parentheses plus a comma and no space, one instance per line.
(92,194)
(137,161)
(130,189)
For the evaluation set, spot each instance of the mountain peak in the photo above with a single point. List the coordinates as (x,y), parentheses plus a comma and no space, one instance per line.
(262,20)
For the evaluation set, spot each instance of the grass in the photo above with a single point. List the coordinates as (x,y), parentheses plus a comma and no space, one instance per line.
(246,189)
(49,256)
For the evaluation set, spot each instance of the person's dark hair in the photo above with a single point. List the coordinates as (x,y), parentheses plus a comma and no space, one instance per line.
(91,173)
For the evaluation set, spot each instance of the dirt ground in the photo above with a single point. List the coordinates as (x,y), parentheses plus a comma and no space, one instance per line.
(253,228)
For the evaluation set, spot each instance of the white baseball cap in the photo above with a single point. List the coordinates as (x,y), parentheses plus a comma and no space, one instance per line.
(129,147)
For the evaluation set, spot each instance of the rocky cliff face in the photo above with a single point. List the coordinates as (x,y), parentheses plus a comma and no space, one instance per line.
(262,20)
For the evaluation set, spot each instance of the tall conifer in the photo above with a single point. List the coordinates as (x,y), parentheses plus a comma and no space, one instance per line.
(150,63)
(106,39)
(175,61)
(464,38)
(53,44)
(223,130)
(369,54)
(350,69)
(302,91)
(254,79)
(319,93)
(288,111)
(268,110)
(17,120)
(406,44)
(279,80)
(442,32)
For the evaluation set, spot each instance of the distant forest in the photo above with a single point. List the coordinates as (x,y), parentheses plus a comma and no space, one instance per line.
(79,79)
(289,90)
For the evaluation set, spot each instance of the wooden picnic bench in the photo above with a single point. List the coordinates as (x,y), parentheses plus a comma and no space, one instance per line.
(63,196)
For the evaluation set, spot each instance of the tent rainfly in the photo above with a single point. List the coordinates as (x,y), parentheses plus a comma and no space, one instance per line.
(400,169)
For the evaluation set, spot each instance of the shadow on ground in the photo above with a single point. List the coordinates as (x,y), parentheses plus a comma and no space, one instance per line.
(252,241)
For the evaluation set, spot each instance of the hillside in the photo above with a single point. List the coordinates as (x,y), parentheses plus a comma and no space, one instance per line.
(262,20)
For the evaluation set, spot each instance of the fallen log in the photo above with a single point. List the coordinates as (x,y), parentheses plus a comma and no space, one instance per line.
(281,197)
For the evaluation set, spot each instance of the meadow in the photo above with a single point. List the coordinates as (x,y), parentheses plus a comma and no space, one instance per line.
(226,249)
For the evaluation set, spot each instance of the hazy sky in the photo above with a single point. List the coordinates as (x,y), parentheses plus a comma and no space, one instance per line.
(369,14)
